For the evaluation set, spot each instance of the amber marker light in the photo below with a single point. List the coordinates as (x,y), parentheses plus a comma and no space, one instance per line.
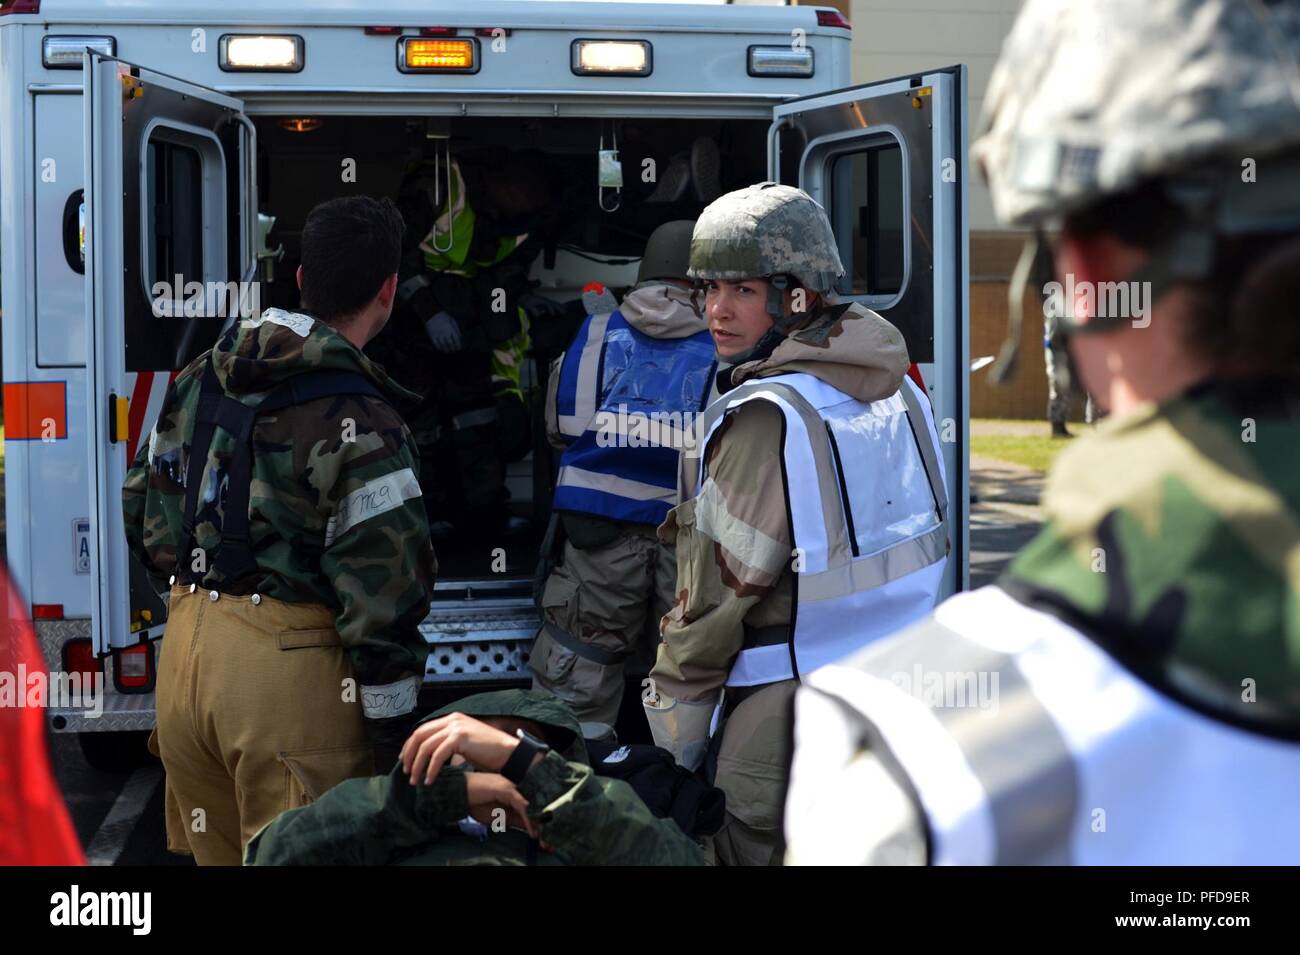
(441,55)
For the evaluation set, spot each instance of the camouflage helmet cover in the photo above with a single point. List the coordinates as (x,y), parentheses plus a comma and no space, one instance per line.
(1090,99)
(763,230)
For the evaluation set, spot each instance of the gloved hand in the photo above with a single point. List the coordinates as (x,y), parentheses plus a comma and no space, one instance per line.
(444,333)
(680,727)
(539,306)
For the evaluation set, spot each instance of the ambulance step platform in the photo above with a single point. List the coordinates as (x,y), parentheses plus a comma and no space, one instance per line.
(480,631)
(111,712)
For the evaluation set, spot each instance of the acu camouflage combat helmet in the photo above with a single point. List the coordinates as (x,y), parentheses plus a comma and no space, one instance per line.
(766,231)
(1091,99)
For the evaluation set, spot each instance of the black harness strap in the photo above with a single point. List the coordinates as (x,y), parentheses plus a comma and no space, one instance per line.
(234,557)
(765,636)
(210,396)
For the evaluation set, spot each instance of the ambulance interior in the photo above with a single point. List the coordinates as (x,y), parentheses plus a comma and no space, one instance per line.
(299,165)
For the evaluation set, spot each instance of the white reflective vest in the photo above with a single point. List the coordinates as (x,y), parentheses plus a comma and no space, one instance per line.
(867,509)
(1023,742)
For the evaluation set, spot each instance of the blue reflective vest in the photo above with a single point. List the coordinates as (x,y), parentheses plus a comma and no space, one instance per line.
(627,404)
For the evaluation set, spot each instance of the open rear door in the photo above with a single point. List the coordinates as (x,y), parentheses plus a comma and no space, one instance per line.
(170,200)
(888,162)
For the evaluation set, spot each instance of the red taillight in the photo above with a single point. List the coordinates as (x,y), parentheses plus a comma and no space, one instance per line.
(915,374)
(492,31)
(133,668)
(383,31)
(79,657)
(437,31)
(47,611)
(832,18)
(19,6)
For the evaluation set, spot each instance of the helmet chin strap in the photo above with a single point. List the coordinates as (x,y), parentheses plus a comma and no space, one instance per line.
(697,299)
(761,349)
(1035,264)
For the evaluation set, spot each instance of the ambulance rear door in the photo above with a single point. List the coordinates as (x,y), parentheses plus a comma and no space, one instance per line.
(170,208)
(887,161)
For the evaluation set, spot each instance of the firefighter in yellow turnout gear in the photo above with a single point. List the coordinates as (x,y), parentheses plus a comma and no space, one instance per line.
(449,248)
(461,333)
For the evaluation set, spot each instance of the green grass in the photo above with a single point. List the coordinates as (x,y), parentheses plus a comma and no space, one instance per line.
(1036,453)
(1026,443)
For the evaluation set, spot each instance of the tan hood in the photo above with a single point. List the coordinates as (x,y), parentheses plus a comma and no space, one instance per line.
(661,311)
(849,347)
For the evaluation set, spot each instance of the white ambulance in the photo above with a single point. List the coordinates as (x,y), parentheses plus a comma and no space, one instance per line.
(145,139)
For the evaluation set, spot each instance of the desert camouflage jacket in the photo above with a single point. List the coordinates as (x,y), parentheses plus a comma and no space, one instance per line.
(733,540)
(335,512)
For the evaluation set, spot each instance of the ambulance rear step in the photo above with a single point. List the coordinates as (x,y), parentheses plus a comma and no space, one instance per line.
(480,631)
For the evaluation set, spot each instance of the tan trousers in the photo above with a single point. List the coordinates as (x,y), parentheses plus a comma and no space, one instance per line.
(753,769)
(610,598)
(254,717)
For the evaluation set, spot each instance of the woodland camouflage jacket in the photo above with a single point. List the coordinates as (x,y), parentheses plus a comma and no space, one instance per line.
(335,513)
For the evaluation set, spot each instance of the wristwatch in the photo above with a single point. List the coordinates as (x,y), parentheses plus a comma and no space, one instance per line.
(522,757)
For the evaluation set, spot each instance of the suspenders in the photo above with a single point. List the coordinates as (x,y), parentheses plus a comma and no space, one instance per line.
(234,558)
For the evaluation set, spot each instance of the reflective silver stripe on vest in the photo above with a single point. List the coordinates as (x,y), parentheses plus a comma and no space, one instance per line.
(864,573)
(570,476)
(1017,753)
(838,547)
(636,429)
(827,472)
(689,467)
(916,415)
(587,391)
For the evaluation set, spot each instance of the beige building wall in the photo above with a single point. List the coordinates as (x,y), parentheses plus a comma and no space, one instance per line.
(894,38)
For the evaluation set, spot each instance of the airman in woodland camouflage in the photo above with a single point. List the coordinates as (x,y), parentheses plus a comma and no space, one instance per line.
(292,656)
(468,813)
(1146,639)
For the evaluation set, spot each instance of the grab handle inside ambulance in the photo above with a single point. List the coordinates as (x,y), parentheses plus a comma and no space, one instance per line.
(74,231)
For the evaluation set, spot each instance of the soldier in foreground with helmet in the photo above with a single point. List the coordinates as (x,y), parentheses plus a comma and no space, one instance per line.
(1147,705)
(812,519)
(619,403)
